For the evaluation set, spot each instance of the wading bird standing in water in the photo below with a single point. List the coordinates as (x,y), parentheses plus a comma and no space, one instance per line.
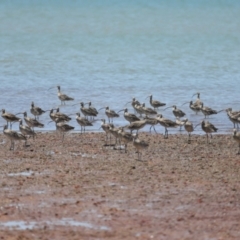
(62,97)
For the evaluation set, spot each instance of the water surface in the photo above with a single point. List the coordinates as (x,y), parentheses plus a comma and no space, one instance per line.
(110,51)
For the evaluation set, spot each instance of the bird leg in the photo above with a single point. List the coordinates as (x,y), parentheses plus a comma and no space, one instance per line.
(12,145)
(189,138)
(110,139)
(166,133)
(207,137)
(154,129)
(25,145)
(106,138)
(138,156)
(116,141)
(119,140)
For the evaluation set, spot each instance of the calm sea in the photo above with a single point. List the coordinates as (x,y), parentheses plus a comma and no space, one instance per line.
(108,51)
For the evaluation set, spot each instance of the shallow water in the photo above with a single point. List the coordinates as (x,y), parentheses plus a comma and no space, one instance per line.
(110,51)
(23,225)
(25,174)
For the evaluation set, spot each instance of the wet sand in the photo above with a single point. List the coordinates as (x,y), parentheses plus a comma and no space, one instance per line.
(83,190)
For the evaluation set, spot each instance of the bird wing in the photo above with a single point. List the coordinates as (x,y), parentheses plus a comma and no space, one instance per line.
(65,97)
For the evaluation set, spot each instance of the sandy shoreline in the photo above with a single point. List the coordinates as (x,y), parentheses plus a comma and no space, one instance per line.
(83,190)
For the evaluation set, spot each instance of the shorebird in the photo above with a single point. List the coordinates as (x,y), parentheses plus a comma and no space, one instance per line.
(208,128)
(180,122)
(106,126)
(62,117)
(130,117)
(62,127)
(236,137)
(198,100)
(115,132)
(193,106)
(233,116)
(52,115)
(207,111)
(125,137)
(26,131)
(177,112)
(154,103)
(148,110)
(93,110)
(13,136)
(31,122)
(110,113)
(62,97)
(83,122)
(151,121)
(137,125)
(9,117)
(140,145)
(233,112)
(36,111)
(135,103)
(139,109)
(166,123)
(189,128)
(86,111)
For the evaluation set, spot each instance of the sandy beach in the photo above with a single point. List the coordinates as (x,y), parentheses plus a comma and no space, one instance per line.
(81,189)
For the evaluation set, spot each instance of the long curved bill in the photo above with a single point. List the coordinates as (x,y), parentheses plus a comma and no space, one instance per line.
(166,108)
(101,108)
(120,110)
(221,110)
(75,104)
(184,103)
(51,88)
(128,103)
(197,125)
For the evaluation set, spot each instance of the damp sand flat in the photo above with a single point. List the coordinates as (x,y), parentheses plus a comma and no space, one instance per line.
(82,189)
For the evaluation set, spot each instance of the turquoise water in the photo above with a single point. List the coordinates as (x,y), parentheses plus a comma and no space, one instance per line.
(111,51)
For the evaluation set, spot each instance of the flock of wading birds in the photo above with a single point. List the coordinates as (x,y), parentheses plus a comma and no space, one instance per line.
(143,116)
